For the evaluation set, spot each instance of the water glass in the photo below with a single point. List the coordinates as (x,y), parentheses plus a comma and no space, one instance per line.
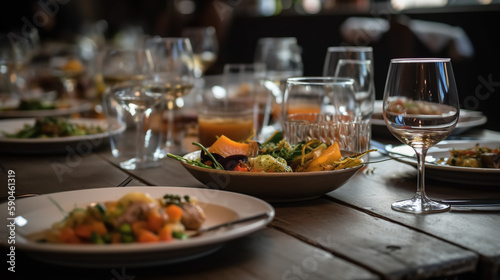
(354,62)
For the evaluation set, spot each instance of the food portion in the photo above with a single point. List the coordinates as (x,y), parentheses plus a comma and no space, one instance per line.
(274,155)
(49,127)
(480,157)
(135,217)
(414,107)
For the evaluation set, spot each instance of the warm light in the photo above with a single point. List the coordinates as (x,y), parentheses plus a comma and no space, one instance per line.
(311,6)
(408,4)
(186,7)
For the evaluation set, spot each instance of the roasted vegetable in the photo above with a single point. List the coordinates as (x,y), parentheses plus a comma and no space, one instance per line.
(268,163)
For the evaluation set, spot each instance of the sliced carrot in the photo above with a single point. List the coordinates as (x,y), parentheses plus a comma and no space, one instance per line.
(146,236)
(83,230)
(116,238)
(99,228)
(67,235)
(174,213)
(138,226)
(165,233)
(155,220)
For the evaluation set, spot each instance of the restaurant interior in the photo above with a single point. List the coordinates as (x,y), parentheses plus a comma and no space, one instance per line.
(460,30)
(142,177)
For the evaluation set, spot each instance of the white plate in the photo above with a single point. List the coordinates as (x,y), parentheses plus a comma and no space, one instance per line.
(219,206)
(467,120)
(455,174)
(84,144)
(77,106)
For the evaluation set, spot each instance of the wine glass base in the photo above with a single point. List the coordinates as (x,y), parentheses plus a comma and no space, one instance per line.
(419,205)
(134,164)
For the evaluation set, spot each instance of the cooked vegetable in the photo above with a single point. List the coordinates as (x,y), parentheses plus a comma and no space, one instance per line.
(279,156)
(227,147)
(54,127)
(135,217)
(479,157)
(268,163)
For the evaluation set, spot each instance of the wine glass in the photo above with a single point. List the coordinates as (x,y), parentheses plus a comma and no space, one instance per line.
(361,72)
(121,67)
(282,59)
(173,77)
(68,65)
(139,103)
(205,47)
(420,108)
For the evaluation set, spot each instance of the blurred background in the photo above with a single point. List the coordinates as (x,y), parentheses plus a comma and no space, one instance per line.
(464,30)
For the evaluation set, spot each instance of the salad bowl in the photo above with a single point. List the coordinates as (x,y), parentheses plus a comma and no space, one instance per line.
(274,186)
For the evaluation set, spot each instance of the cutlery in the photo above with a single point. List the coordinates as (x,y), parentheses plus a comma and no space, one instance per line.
(238,221)
(472,202)
(125,182)
(5,198)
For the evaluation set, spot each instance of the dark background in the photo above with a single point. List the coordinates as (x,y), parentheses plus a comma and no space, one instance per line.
(240,28)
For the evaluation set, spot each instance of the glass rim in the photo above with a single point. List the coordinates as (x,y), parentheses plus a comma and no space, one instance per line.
(319,80)
(420,60)
(350,48)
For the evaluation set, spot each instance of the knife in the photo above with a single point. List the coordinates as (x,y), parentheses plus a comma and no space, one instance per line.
(472,202)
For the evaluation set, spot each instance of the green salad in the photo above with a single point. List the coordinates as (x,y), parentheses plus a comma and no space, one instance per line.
(48,127)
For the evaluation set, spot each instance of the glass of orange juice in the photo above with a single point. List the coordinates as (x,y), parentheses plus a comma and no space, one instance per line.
(305,95)
(234,107)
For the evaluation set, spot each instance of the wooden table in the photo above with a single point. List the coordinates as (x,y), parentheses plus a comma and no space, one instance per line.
(350,233)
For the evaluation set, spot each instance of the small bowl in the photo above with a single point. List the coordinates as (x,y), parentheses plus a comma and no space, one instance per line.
(272,187)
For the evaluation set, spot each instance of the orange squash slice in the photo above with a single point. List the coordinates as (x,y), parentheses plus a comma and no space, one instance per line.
(227,147)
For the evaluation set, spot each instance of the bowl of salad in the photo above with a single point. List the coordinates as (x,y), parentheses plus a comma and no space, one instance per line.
(274,170)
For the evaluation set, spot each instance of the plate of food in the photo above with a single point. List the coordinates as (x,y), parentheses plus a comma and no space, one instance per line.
(132,226)
(54,135)
(274,171)
(464,162)
(38,108)
(467,120)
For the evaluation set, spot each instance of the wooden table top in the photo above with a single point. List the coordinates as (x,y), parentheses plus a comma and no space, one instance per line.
(350,233)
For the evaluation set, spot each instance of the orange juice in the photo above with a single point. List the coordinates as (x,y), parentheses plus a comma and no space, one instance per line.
(296,108)
(235,128)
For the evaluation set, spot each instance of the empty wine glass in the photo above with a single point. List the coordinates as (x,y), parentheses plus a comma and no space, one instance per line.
(420,108)
(173,77)
(205,47)
(139,103)
(361,72)
(282,57)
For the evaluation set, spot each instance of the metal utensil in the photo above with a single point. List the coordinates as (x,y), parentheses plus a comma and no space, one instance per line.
(238,221)
(125,182)
(472,202)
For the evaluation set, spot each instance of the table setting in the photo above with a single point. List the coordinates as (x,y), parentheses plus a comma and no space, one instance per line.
(289,175)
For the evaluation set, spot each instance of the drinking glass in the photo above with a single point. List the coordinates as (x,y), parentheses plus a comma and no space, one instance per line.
(205,47)
(139,103)
(361,72)
(308,94)
(333,54)
(420,108)
(245,81)
(173,77)
(68,65)
(282,59)
(346,55)
(122,67)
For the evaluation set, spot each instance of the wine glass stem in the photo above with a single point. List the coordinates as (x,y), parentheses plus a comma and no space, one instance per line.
(139,137)
(421,154)
(170,124)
